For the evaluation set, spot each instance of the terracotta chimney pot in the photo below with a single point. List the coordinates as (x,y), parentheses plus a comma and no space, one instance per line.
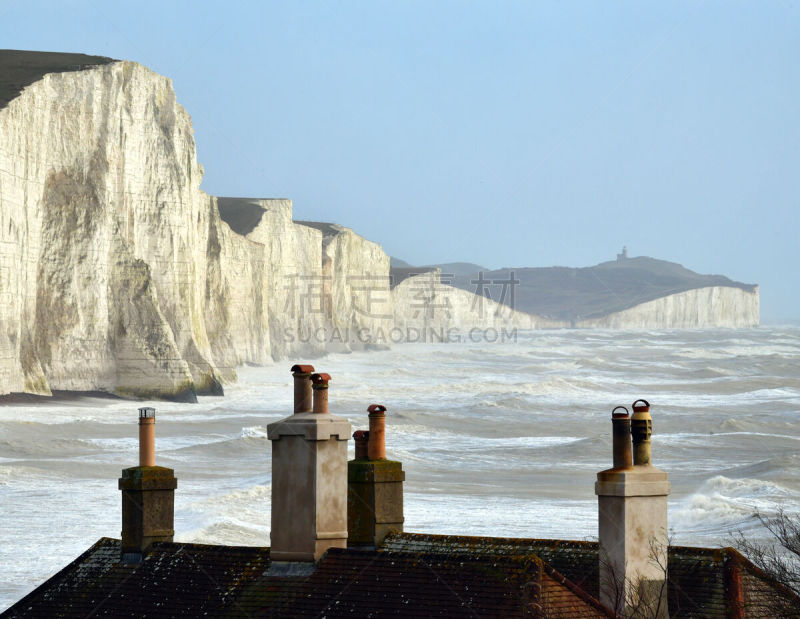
(361,438)
(376,448)
(621,433)
(302,388)
(147,436)
(320,387)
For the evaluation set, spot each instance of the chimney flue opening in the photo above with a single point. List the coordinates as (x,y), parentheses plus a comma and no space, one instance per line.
(319,384)
(302,388)
(641,431)
(376,447)
(621,436)
(147,436)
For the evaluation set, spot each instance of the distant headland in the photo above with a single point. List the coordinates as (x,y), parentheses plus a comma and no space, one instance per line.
(590,296)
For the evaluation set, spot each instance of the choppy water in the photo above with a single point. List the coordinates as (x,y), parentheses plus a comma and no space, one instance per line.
(496,439)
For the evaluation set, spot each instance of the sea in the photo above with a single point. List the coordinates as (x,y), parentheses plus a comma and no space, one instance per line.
(499,438)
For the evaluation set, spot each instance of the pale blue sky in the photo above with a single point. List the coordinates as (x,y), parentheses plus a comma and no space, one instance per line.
(502,133)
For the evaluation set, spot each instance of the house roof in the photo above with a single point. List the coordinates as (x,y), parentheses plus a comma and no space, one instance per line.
(176,579)
(378,583)
(699,579)
(411,575)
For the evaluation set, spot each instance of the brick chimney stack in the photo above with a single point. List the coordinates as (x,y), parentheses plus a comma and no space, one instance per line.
(309,477)
(148,496)
(374,486)
(632,501)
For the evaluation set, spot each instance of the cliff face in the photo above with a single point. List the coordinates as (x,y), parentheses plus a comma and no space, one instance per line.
(292,266)
(118,274)
(326,288)
(715,306)
(103,237)
(356,279)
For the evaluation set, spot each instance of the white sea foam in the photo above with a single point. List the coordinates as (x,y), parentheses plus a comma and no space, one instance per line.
(254,432)
(723,505)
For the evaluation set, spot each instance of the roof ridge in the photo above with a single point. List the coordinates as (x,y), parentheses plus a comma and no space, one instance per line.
(199,546)
(401,534)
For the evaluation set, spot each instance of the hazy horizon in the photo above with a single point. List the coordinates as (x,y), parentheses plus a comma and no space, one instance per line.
(505,134)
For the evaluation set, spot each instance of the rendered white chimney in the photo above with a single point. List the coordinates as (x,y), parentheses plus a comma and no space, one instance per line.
(632,501)
(309,480)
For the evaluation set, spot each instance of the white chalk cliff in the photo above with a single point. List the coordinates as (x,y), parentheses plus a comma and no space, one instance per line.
(712,306)
(426,310)
(119,274)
